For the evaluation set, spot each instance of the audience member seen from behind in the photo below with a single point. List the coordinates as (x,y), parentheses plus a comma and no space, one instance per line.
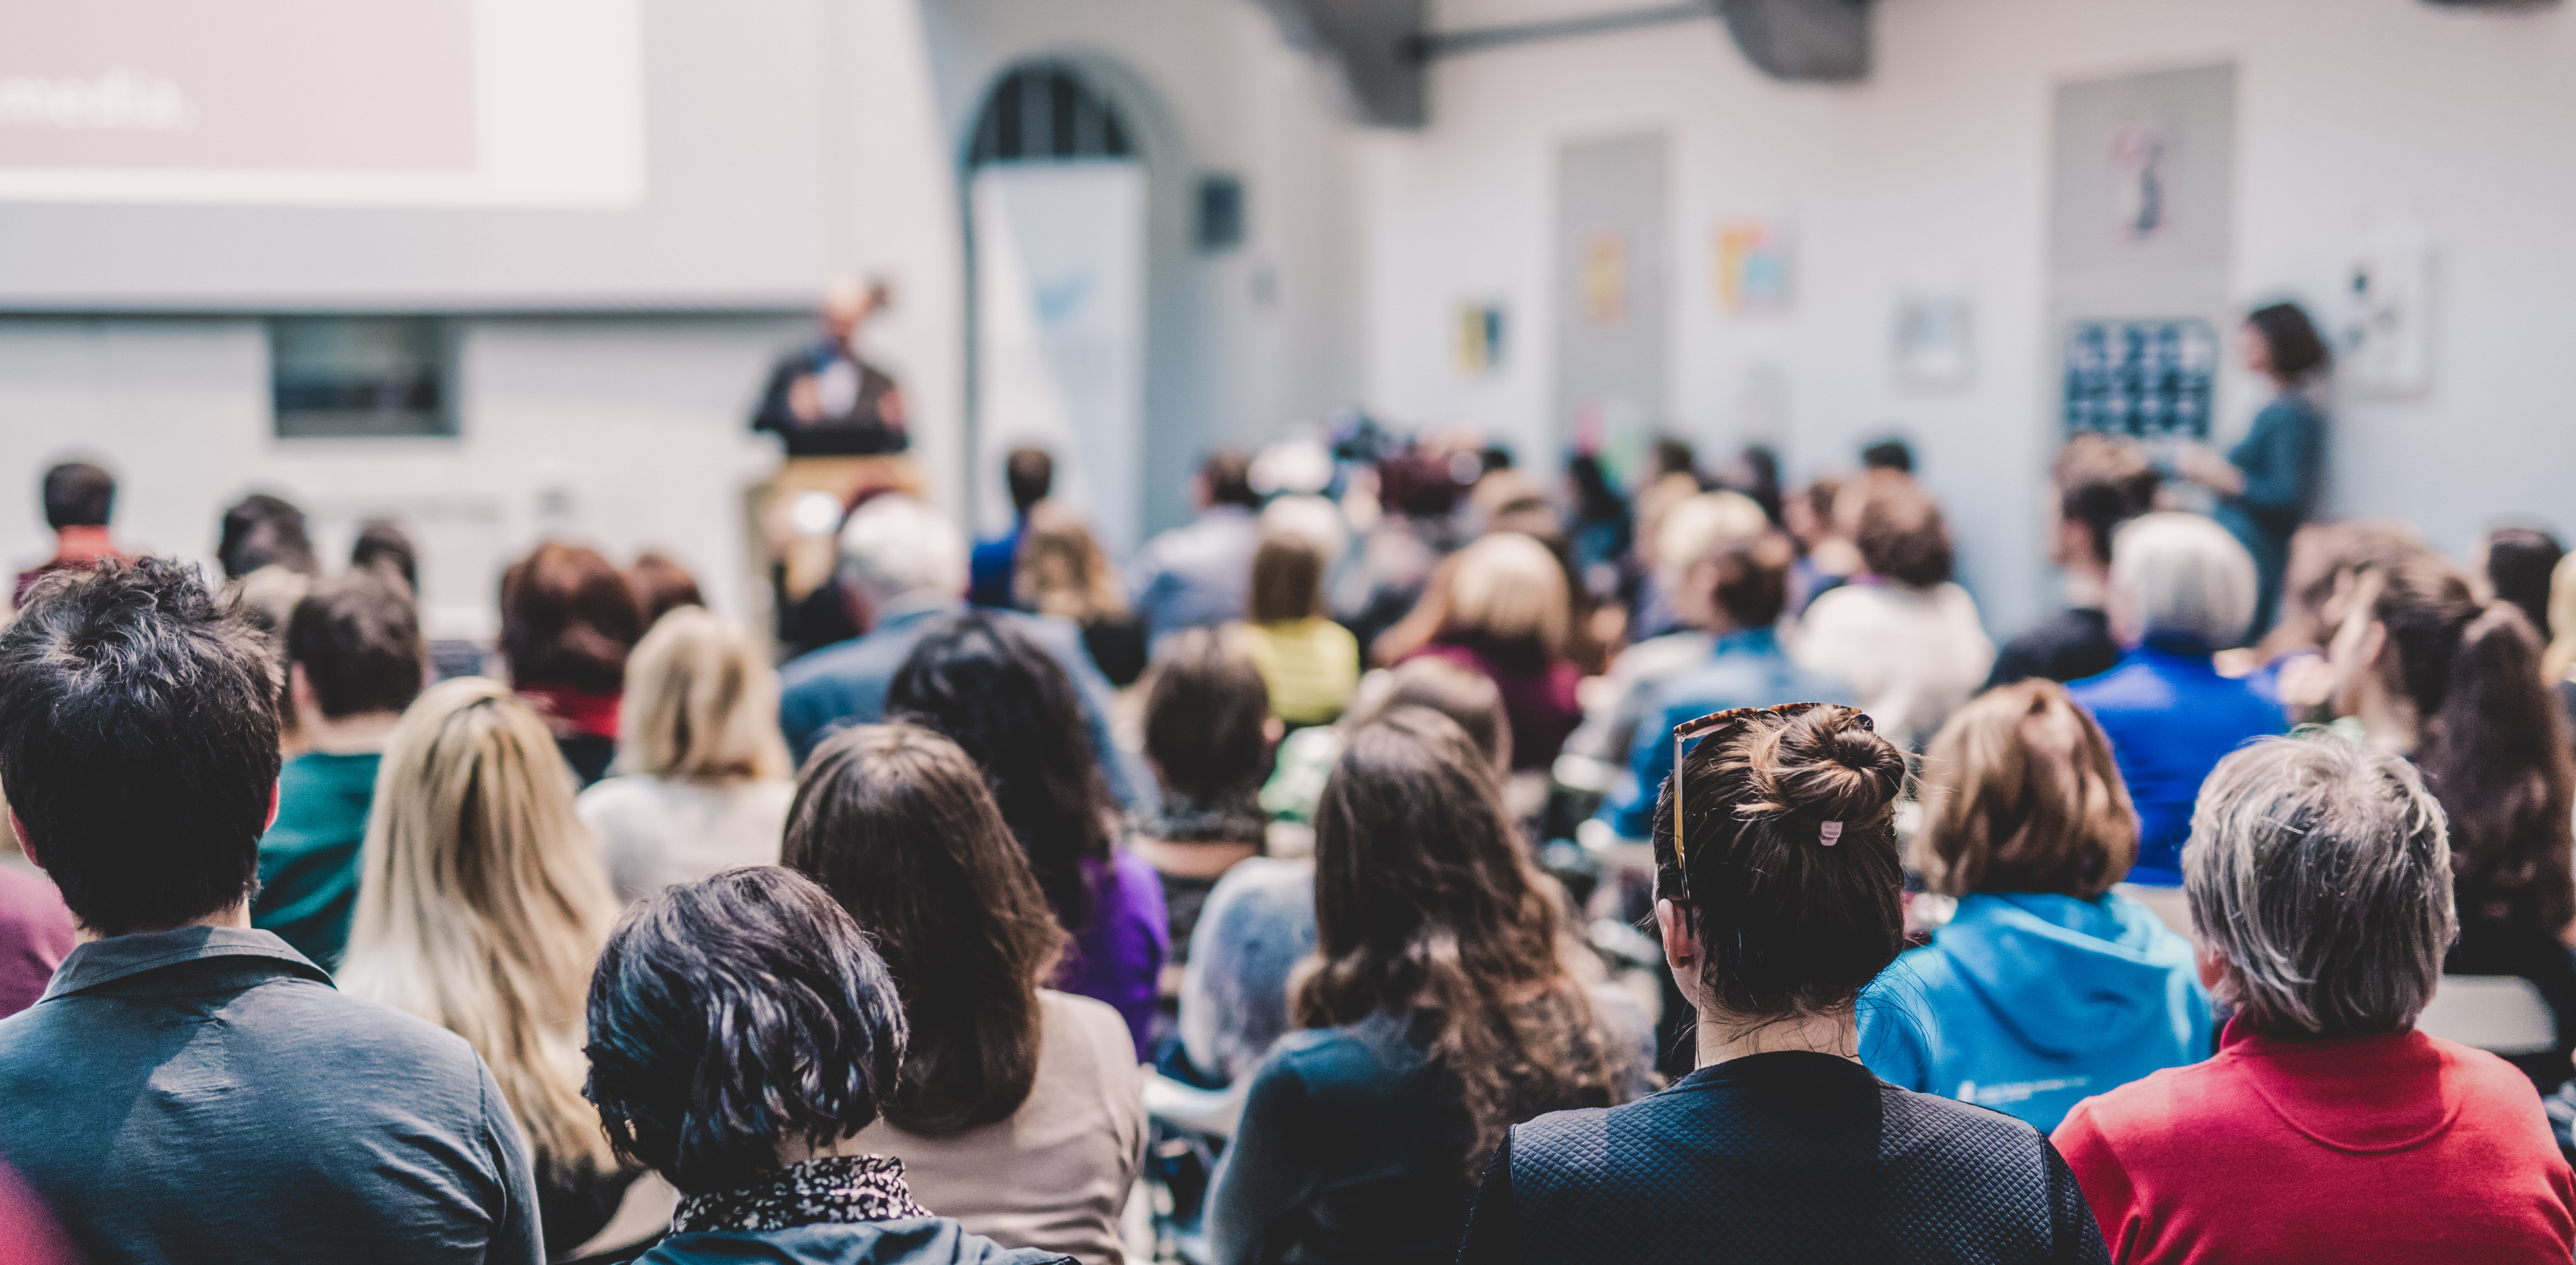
(1062,572)
(36,931)
(1599,525)
(1827,559)
(354,661)
(2289,663)
(706,781)
(661,586)
(2101,483)
(1746,586)
(1199,576)
(79,499)
(2181,589)
(1029,474)
(2454,685)
(1257,926)
(1903,635)
(743,1035)
(1308,663)
(2519,564)
(1306,758)
(2267,484)
(2045,986)
(482,910)
(1692,536)
(2558,663)
(284,1121)
(1016,1110)
(1207,735)
(1439,1013)
(568,621)
(1778,902)
(1504,616)
(902,572)
(2327,1129)
(991,690)
(264,530)
(384,546)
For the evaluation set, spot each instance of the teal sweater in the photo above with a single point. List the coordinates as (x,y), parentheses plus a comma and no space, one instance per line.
(308,861)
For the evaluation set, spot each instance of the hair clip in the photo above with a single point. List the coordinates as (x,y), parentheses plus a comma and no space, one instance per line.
(1828,832)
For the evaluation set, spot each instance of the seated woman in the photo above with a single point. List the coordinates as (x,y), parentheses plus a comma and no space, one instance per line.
(1904,634)
(1778,900)
(2182,589)
(2046,986)
(1207,735)
(481,907)
(1440,1008)
(1062,571)
(1306,757)
(2454,684)
(568,621)
(983,685)
(1506,614)
(1017,1106)
(708,780)
(1309,663)
(2326,1129)
(742,1036)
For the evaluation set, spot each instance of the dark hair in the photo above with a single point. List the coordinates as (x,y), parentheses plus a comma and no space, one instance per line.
(734,1014)
(2292,338)
(1752,578)
(1594,497)
(2494,746)
(1206,716)
(1425,901)
(1412,483)
(2520,562)
(1675,456)
(138,742)
(1228,477)
(1902,536)
(261,531)
(895,822)
(1030,472)
(358,638)
(1789,924)
(988,688)
(661,587)
(78,494)
(1888,454)
(384,545)
(1762,468)
(568,619)
(1287,580)
(2103,482)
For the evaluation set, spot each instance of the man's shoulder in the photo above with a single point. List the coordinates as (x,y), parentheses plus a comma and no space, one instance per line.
(834,666)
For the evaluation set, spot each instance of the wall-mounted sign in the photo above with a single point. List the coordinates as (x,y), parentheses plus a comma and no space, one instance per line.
(2388,316)
(2148,379)
(1752,267)
(1479,338)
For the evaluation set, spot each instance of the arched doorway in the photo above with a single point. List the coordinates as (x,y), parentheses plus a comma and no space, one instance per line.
(1056,204)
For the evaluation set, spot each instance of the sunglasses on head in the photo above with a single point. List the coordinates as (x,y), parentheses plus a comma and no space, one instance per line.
(1716,725)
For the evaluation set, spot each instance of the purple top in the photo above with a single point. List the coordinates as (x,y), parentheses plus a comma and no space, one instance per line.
(35,936)
(1120,958)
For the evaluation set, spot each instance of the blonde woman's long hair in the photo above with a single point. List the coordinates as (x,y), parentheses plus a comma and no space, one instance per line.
(702,702)
(482,905)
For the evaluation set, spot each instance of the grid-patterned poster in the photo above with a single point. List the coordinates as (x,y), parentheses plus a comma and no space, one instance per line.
(2149,379)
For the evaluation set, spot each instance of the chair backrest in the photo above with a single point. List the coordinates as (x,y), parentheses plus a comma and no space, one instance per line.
(2501,1014)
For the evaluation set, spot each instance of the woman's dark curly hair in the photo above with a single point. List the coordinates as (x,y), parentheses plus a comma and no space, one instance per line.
(982,684)
(732,1015)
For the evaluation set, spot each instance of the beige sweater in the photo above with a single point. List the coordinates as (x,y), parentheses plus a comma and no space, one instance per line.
(1056,1174)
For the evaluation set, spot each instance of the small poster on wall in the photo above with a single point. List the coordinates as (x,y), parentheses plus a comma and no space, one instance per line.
(1605,278)
(1752,268)
(1478,334)
(2388,325)
(2147,379)
(1932,350)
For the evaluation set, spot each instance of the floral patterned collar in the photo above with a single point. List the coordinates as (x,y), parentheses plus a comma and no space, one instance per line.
(831,1190)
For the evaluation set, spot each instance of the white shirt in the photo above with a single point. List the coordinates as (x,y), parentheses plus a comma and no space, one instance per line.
(1914,655)
(654,832)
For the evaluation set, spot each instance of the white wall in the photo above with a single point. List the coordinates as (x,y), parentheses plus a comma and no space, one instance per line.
(1934,172)
(626,434)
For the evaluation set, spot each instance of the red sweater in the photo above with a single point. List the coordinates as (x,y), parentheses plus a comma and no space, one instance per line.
(2391,1149)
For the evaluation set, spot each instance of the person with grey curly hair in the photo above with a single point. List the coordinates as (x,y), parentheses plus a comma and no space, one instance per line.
(2319,878)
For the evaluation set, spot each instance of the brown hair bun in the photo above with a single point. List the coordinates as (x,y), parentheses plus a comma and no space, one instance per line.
(1830,764)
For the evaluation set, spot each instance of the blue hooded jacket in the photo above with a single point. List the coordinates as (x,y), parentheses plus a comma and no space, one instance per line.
(2029,1003)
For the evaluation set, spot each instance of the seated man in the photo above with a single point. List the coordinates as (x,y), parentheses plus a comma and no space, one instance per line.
(1200,576)
(1687,543)
(903,566)
(2101,483)
(79,499)
(353,663)
(191,1089)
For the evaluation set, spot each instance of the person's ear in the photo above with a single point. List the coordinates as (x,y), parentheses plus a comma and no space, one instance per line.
(1681,948)
(299,687)
(1273,729)
(2212,964)
(2374,643)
